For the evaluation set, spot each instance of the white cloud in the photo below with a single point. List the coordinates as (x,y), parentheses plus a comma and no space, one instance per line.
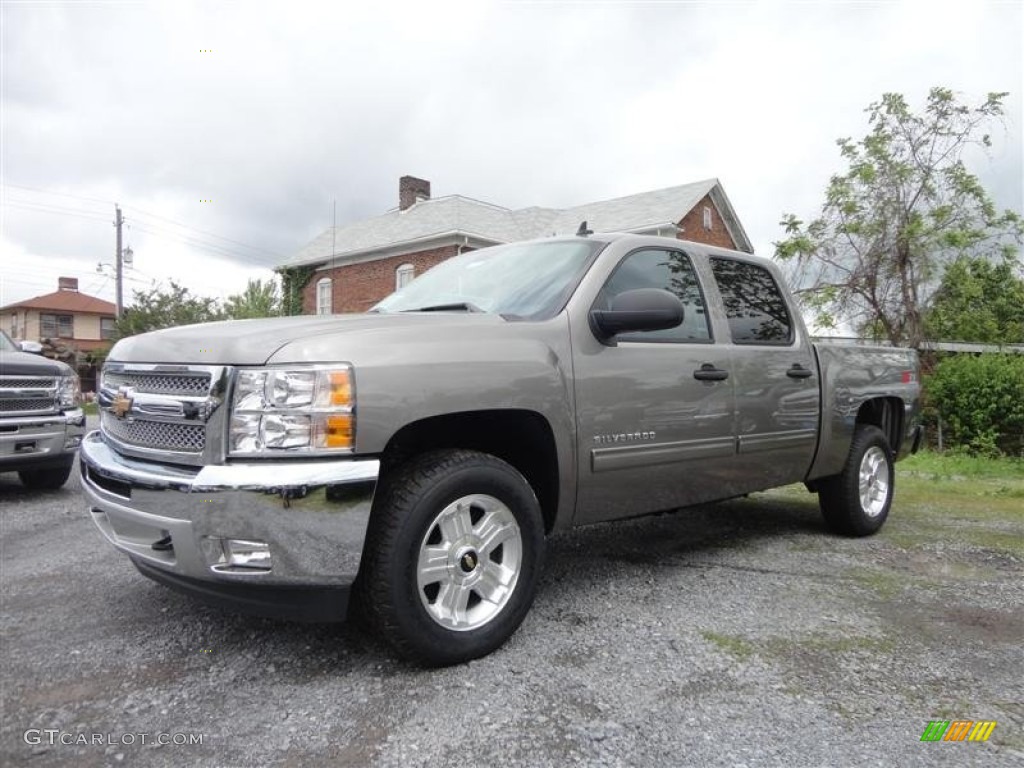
(518,103)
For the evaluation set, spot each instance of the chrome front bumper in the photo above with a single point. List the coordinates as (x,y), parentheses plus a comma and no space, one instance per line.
(28,442)
(312,515)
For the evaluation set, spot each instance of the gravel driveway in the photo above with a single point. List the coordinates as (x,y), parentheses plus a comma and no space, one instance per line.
(739,634)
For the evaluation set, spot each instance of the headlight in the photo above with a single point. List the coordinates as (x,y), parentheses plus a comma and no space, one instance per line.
(69,392)
(289,410)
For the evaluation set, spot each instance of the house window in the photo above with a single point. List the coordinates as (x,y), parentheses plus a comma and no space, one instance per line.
(404,275)
(56,326)
(323,296)
(106,327)
(707,217)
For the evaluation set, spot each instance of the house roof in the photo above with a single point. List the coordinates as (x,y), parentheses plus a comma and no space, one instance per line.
(458,216)
(66,301)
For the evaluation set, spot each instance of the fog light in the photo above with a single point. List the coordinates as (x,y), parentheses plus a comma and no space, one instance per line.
(254,555)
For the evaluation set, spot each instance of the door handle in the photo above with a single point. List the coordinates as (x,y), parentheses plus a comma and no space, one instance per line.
(797,371)
(708,372)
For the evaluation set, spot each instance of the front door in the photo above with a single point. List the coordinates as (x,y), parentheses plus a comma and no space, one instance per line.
(651,435)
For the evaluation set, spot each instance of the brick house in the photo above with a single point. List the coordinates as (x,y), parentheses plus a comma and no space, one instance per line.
(356,265)
(66,317)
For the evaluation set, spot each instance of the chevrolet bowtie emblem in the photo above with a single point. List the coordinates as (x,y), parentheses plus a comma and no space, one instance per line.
(122,404)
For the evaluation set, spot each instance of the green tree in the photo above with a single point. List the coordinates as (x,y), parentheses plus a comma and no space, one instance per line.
(905,207)
(978,301)
(980,399)
(165,308)
(259,299)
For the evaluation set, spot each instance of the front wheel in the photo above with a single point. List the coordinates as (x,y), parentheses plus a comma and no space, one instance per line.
(856,502)
(47,479)
(453,556)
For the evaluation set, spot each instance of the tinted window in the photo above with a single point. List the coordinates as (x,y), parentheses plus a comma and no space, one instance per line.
(672,271)
(753,303)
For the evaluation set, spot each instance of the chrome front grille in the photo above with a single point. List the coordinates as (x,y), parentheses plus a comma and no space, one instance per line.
(185,384)
(164,412)
(27,382)
(156,435)
(28,395)
(8,405)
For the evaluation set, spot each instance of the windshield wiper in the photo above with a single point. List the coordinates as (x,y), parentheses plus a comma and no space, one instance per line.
(463,306)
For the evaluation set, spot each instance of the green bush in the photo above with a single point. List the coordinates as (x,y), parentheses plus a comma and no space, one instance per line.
(980,399)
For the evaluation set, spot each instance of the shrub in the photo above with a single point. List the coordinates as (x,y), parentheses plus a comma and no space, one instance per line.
(980,399)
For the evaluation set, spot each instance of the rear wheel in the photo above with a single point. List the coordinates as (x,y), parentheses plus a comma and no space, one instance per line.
(453,556)
(47,479)
(856,502)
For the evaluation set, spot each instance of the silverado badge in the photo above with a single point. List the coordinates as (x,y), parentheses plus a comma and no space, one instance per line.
(122,403)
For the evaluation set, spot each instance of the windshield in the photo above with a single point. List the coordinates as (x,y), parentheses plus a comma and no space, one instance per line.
(6,345)
(522,280)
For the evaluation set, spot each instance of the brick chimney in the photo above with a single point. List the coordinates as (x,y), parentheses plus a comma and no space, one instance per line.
(411,190)
(67,283)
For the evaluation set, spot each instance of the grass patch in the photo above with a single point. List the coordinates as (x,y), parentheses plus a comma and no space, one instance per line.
(828,645)
(885,584)
(958,465)
(91,409)
(735,646)
(935,487)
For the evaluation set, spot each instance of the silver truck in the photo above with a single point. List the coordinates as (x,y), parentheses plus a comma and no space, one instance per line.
(41,419)
(417,456)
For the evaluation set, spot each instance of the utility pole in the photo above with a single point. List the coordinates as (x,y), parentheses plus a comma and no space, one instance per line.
(119,220)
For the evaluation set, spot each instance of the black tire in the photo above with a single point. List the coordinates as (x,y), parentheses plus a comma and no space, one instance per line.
(407,520)
(48,479)
(839,496)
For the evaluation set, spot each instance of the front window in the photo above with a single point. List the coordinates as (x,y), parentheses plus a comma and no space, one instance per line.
(522,280)
(56,326)
(404,275)
(323,296)
(107,328)
(670,271)
(6,345)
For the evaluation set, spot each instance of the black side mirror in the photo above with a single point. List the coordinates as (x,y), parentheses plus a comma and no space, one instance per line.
(643,309)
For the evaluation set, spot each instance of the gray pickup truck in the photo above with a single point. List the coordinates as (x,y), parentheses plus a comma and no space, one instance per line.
(417,456)
(41,419)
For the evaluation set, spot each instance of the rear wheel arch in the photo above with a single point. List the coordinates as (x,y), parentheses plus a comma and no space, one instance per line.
(887,414)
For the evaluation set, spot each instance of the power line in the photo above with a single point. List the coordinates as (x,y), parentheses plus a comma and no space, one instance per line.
(217,250)
(54,209)
(135,211)
(62,194)
(203,232)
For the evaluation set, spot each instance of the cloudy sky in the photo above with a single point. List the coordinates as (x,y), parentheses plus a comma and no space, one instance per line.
(271,112)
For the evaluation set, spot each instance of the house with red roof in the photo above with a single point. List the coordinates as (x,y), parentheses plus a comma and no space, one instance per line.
(66,317)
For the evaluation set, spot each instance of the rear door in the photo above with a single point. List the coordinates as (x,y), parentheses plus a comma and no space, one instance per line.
(774,376)
(651,435)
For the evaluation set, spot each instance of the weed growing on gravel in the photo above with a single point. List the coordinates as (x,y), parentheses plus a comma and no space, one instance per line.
(731,644)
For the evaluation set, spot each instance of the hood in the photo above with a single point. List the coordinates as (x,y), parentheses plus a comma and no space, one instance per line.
(254,342)
(26,364)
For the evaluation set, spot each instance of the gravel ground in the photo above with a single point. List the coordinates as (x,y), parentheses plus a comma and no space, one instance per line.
(734,635)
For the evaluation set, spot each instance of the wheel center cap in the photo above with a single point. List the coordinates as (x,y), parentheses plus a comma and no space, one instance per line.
(469,561)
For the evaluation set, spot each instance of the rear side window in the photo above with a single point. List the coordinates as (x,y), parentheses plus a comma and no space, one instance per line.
(671,271)
(754,304)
